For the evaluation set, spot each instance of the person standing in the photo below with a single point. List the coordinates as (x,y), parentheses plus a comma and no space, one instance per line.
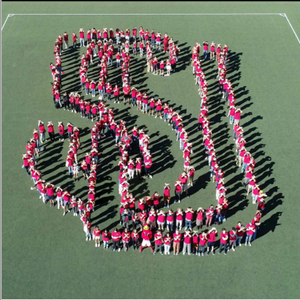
(187,242)
(202,243)
(42,131)
(126,239)
(195,238)
(116,237)
(240,229)
(223,241)
(179,218)
(176,241)
(81,37)
(158,240)
(135,239)
(66,40)
(167,243)
(232,239)
(189,213)
(146,236)
(97,236)
(211,240)
(249,231)
(105,237)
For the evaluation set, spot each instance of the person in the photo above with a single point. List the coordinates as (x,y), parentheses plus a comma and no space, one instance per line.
(256,223)
(178,189)
(152,218)
(81,37)
(183,179)
(146,236)
(189,213)
(176,241)
(126,239)
(212,50)
(61,131)
(75,172)
(240,229)
(209,215)
(179,218)
(66,196)
(199,218)
(42,131)
(116,237)
(161,218)
(187,242)
(167,189)
(250,229)
(74,38)
(202,243)
(50,193)
(105,237)
(223,241)
(59,198)
(87,229)
(170,220)
(74,205)
(158,240)
(66,40)
(135,239)
(205,49)
(195,239)
(97,236)
(211,240)
(167,243)
(232,238)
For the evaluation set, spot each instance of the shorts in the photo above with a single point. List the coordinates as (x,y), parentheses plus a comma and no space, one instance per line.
(160,223)
(66,203)
(168,68)
(184,187)
(154,67)
(146,243)
(210,244)
(158,43)
(51,197)
(158,110)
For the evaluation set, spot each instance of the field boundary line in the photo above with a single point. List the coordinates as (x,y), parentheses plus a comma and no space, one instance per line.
(286,17)
(9,15)
(160,14)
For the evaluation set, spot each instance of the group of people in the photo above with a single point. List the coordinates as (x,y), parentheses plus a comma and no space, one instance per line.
(150,217)
(244,158)
(102,44)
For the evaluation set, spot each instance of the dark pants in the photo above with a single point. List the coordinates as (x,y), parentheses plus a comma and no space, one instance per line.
(116,243)
(67,104)
(158,247)
(177,196)
(51,135)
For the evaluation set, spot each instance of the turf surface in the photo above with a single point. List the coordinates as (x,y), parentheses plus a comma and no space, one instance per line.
(45,255)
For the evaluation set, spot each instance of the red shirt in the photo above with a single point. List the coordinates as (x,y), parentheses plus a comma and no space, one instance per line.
(116,236)
(176,237)
(212,236)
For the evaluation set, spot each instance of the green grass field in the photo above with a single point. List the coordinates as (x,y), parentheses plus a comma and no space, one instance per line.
(45,255)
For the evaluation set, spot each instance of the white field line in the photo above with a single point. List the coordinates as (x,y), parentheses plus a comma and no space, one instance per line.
(164,14)
(158,14)
(5,22)
(292,28)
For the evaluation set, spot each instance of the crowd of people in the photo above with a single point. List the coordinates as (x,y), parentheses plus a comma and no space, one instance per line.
(148,220)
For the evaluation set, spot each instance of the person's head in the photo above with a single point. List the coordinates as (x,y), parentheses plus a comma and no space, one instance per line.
(116,229)
(223,230)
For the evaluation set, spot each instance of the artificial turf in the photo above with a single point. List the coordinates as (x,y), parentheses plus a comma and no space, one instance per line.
(45,255)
